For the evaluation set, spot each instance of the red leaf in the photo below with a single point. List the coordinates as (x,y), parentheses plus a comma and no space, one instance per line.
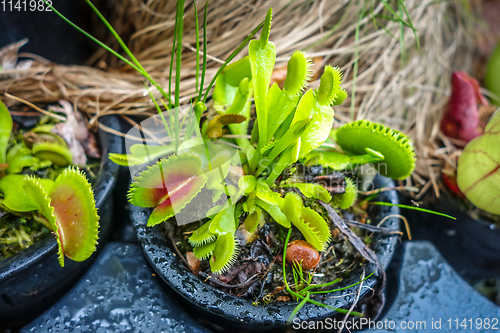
(461,121)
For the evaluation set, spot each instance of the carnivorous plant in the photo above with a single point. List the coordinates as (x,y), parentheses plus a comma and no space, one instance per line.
(62,200)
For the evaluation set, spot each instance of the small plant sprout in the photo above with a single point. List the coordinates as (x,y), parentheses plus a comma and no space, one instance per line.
(64,203)
(478,171)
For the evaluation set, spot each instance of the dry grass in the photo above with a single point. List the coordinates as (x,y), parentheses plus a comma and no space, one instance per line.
(408,96)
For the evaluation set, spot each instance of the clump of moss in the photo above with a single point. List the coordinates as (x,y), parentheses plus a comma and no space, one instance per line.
(17,234)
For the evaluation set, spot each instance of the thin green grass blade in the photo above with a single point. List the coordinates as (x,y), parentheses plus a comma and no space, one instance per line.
(402,36)
(331,283)
(379,203)
(178,56)
(204,69)
(297,309)
(355,68)
(167,128)
(171,69)
(125,48)
(178,64)
(197,47)
(410,23)
(95,40)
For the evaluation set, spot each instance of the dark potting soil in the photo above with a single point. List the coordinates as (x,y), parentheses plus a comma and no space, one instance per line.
(257,273)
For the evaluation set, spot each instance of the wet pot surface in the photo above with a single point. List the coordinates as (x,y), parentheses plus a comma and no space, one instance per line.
(470,245)
(232,312)
(32,280)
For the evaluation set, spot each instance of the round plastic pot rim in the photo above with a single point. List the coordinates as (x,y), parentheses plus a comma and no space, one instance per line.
(208,298)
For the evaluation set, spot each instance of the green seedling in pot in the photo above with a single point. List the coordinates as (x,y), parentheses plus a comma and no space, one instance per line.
(64,203)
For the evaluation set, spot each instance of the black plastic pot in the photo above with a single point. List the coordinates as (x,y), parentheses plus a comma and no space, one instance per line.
(32,280)
(223,311)
(471,246)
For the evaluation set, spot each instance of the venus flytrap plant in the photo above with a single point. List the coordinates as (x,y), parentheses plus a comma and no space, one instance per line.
(291,126)
(65,205)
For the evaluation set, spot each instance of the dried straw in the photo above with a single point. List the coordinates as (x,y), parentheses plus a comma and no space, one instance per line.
(408,95)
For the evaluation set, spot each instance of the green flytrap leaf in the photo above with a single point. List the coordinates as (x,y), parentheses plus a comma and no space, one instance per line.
(224,254)
(478,171)
(16,199)
(397,148)
(202,236)
(311,190)
(298,72)
(329,91)
(57,154)
(315,229)
(141,154)
(223,251)
(18,158)
(204,251)
(340,161)
(5,130)
(347,199)
(262,54)
(316,104)
(42,133)
(170,184)
(69,207)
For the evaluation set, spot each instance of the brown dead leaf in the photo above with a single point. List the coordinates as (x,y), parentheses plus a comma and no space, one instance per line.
(74,131)
(8,54)
(193,262)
